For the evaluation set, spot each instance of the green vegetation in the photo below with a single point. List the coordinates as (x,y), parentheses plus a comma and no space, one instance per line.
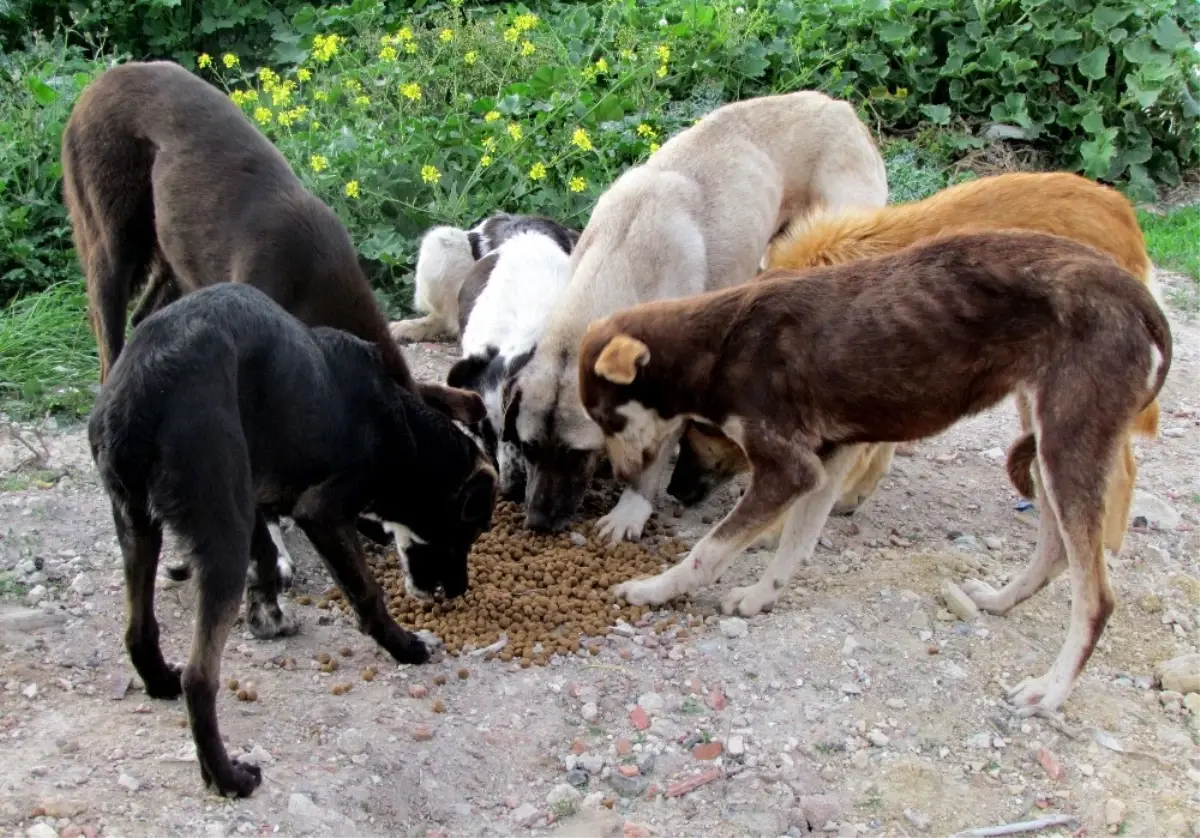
(1173,239)
(403,115)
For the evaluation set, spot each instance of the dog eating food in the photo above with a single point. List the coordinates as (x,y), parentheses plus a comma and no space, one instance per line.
(801,369)
(696,216)
(224,409)
(1061,203)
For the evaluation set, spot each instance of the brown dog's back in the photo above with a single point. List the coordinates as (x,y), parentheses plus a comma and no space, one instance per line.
(157,161)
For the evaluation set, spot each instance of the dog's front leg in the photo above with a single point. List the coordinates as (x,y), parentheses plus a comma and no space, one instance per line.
(770,494)
(321,516)
(636,505)
(801,530)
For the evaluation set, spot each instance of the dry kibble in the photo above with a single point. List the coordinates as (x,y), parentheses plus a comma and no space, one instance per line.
(439,706)
(346,652)
(439,679)
(322,657)
(464,674)
(368,674)
(304,599)
(243,695)
(232,683)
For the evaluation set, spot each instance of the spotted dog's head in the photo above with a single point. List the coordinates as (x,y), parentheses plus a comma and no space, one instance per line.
(611,373)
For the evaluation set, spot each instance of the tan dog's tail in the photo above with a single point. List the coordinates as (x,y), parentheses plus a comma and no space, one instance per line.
(1020,465)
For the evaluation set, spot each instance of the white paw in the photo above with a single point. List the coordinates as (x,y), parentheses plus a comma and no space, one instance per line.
(1045,692)
(650,591)
(749,600)
(406,330)
(627,518)
(286,570)
(983,595)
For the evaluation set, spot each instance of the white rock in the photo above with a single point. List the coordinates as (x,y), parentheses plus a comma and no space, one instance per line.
(993,542)
(590,712)
(30,691)
(83,585)
(593,801)
(851,689)
(35,594)
(980,741)
(918,819)
(623,629)
(258,756)
(526,814)
(1114,813)
(352,741)
(736,746)
(41,830)
(957,602)
(591,762)
(564,799)
(1157,512)
(1181,674)
(664,729)
(734,627)
(896,703)
(877,738)
(994,454)
(651,702)
(128,782)
(849,646)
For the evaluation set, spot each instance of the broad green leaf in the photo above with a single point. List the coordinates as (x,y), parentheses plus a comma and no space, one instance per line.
(1097,153)
(1141,51)
(1145,93)
(1093,123)
(750,65)
(1168,35)
(1065,56)
(1106,17)
(42,92)
(937,114)
(894,32)
(1092,66)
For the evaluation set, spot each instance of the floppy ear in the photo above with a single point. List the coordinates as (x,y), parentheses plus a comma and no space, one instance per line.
(620,359)
(510,399)
(479,497)
(462,405)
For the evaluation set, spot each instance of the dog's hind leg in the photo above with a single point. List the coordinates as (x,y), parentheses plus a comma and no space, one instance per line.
(636,504)
(319,514)
(1075,455)
(141,543)
(801,530)
(263,613)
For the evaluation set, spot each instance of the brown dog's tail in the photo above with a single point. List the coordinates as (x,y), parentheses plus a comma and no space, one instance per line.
(1020,465)
(1155,321)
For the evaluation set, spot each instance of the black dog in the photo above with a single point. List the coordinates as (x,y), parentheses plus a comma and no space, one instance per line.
(223,410)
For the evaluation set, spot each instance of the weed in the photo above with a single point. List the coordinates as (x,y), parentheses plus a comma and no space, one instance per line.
(1173,239)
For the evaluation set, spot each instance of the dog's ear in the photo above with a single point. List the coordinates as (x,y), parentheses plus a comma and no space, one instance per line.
(479,496)
(620,359)
(465,371)
(510,399)
(462,405)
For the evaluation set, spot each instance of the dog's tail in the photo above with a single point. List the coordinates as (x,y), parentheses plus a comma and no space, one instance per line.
(1020,465)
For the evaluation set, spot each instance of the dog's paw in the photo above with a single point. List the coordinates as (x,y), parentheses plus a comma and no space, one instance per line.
(749,600)
(167,684)
(419,648)
(984,596)
(286,569)
(239,781)
(267,619)
(627,518)
(1046,693)
(649,591)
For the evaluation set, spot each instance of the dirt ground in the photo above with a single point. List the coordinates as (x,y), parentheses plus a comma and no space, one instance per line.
(859,706)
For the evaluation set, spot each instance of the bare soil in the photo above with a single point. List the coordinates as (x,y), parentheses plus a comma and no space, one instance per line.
(859,706)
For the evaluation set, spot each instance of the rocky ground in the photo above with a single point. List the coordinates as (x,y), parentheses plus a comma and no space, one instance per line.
(860,706)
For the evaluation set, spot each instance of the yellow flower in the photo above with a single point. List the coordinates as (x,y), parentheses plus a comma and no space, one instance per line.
(525,22)
(299,112)
(268,78)
(284,118)
(230,60)
(580,140)
(627,54)
(485,161)
(410,48)
(489,143)
(446,36)
(352,189)
(514,131)
(654,147)
(304,74)
(662,71)
(239,97)
(491,116)
(281,94)
(644,130)
(527,48)
(537,172)
(430,174)
(663,52)
(321,95)
(352,85)
(405,34)
(262,115)
(412,91)
(318,162)
(577,184)
(511,35)
(325,47)
(601,66)
(204,61)
(362,101)
(387,54)
(469,58)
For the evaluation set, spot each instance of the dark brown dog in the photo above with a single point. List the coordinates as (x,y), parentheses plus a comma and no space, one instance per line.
(890,349)
(169,184)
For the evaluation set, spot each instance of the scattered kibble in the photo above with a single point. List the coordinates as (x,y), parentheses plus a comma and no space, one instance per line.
(464,673)
(439,680)
(232,683)
(346,652)
(439,706)
(369,673)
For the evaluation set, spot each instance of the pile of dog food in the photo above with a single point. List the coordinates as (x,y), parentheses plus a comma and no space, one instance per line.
(531,595)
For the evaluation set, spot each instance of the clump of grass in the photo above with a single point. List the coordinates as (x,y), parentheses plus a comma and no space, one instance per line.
(1173,239)
(48,361)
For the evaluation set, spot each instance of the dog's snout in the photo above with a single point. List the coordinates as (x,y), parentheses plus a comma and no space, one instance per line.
(540,520)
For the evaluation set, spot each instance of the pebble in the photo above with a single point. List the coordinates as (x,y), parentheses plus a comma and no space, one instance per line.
(734,627)
(665,729)
(1114,813)
(639,718)
(878,738)
(351,742)
(41,830)
(1181,674)
(525,815)
(589,712)
(30,691)
(736,746)
(258,756)
(1050,761)
(918,819)
(35,594)
(83,585)
(128,782)
(593,801)
(993,542)
(1192,702)
(651,702)
(849,646)
(592,763)
(577,777)
(422,733)
(957,602)
(1153,510)
(707,750)
(634,830)
(564,799)
(980,741)
(966,542)
(851,689)
(634,786)
(896,703)
(417,691)
(716,699)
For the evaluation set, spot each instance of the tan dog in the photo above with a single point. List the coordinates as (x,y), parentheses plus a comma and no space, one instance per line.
(1059,202)
(695,217)
(900,347)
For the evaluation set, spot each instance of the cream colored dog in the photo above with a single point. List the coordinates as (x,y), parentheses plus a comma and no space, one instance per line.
(696,217)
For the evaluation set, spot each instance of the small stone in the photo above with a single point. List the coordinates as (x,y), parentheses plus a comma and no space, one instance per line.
(634,786)
(628,770)
(1181,674)
(35,594)
(734,627)
(707,750)
(993,542)
(1154,511)
(624,747)
(851,689)
(83,585)
(589,712)
(438,706)
(1192,702)
(421,733)
(896,703)
(1114,814)
(716,699)
(651,702)
(417,691)
(919,619)
(352,741)
(30,691)
(128,782)
(957,602)
(860,759)
(690,784)
(258,756)
(737,746)
(639,718)
(849,646)
(664,729)
(525,815)
(635,830)
(877,738)
(980,741)
(1050,761)
(919,820)
(563,800)
(593,801)
(41,830)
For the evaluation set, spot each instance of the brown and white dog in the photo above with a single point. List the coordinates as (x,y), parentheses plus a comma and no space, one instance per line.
(696,216)
(1061,203)
(802,370)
